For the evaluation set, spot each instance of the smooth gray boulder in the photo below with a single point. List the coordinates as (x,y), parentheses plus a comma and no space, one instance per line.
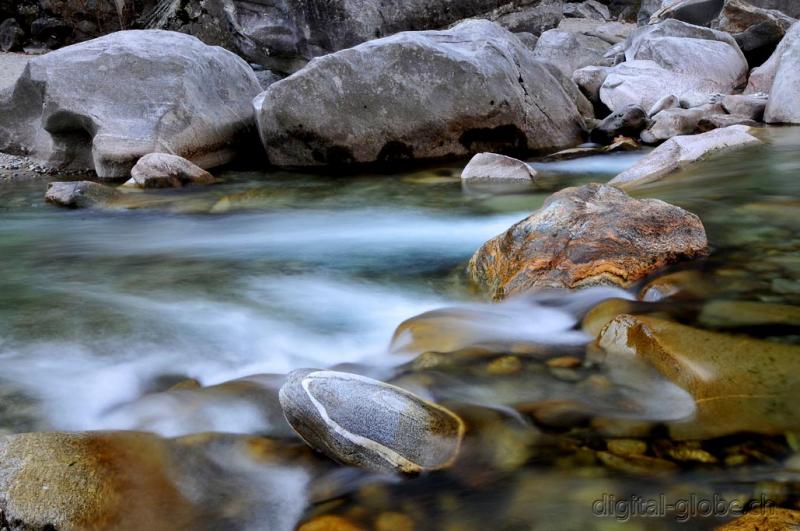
(79,194)
(362,422)
(418,95)
(283,35)
(162,170)
(589,79)
(491,167)
(692,50)
(568,51)
(784,97)
(762,78)
(105,103)
(676,121)
(749,105)
(674,58)
(680,151)
(612,32)
(645,83)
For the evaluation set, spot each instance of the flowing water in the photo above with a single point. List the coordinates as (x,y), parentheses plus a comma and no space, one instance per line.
(269,272)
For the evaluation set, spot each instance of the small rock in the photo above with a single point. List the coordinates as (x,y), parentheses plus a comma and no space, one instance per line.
(79,194)
(591,9)
(586,236)
(681,151)
(491,167)
(670,101)
(673,122)
(628,121)
(162,170)
(751,105)
(362,422)
(720,120)
(625,447)
(589,80)
(637,465)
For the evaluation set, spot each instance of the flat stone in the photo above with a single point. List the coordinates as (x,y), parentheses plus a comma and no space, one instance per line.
(163,170)
(738,384)
(680,151)
(489,167)
(80,194)
(587,236)
(362,422)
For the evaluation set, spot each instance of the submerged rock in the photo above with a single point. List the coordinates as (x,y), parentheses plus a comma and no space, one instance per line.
(491,167)
(362,422)
(681,151)
(392,99)
(162,170)
(246,405)
(765,519)
(105,103)
(586,236)
(136,480)
(80,194)
(738,384)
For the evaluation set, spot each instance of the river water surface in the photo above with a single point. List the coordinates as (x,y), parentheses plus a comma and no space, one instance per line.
(269,272)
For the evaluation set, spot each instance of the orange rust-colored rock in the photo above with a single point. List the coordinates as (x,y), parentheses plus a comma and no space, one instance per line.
(587,236)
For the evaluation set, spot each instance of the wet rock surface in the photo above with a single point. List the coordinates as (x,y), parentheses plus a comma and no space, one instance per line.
(739,385)
(80,194)
(145,91)
(592,235)
(491,167)
(343,108)
(370,424)
(162,170)
(681,151)
(131,480)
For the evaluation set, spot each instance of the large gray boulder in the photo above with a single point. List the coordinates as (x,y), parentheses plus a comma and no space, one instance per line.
(418,95)
(780,76)
(692,50)
(283,35)
(674,58)
(362,422)
(762,78)
(570,50)
(105,103)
